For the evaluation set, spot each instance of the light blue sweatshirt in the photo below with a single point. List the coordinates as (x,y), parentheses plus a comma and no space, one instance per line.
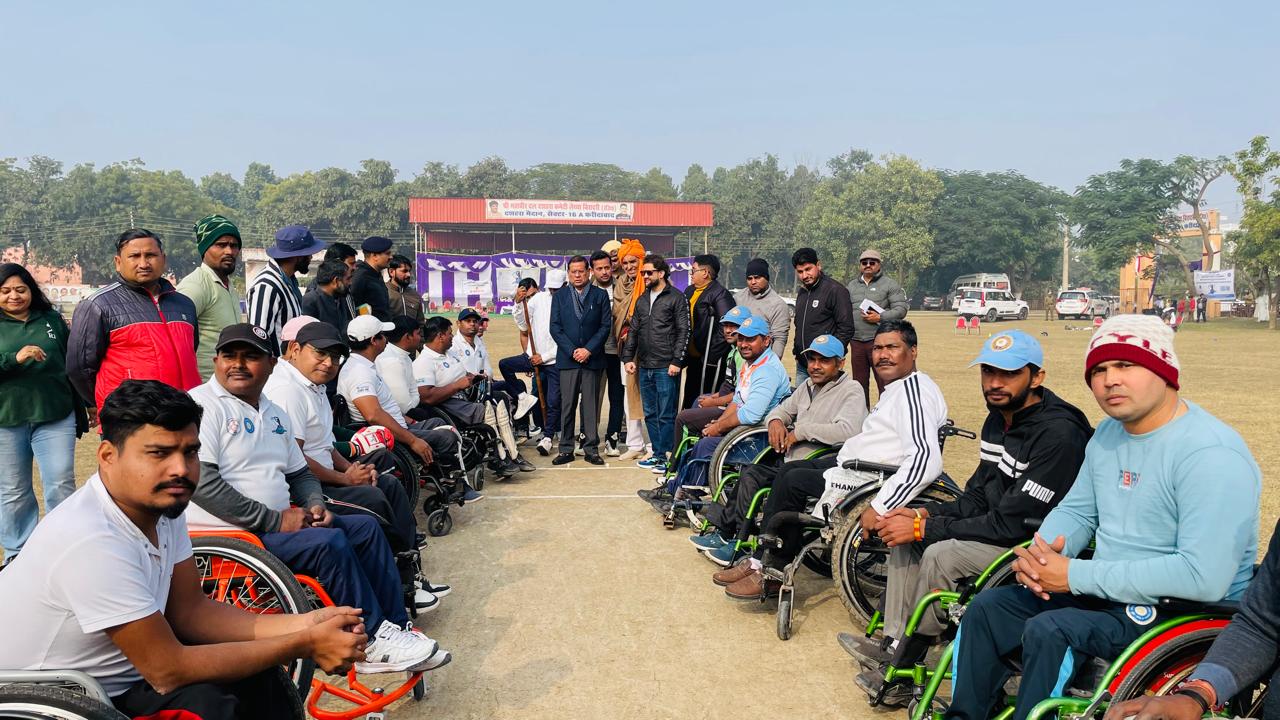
(761,386)
(1174,511)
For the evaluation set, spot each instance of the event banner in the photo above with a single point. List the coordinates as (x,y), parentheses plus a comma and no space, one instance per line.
(566,210)
(1216,284)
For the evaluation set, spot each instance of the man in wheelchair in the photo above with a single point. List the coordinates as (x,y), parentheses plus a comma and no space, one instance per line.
(370,401)
(761,385)
(443,382)
(107,585)
(363,486)
(711,406)
(824,411)
(1169,495)
(251,468)
(901,430)
(1032,446)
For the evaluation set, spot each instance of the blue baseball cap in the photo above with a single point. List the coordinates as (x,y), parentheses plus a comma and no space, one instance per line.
(1010,350)
(826,346)
(736,315)
(753,326)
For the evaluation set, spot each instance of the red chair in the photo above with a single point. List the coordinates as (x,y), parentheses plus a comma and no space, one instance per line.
(974,326)
(1097,322)
(959,326)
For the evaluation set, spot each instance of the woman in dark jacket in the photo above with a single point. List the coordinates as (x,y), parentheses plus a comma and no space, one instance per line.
(38,408)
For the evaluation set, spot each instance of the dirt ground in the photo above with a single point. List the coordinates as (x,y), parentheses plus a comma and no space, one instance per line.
(570,599)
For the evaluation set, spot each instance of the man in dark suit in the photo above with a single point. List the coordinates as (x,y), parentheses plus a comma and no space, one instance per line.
(581,317)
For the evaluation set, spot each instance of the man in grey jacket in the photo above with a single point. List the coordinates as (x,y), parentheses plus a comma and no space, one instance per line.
(875,298)
(762,301)
(824,411)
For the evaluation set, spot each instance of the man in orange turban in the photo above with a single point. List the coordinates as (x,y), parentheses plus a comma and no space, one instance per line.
(626,291)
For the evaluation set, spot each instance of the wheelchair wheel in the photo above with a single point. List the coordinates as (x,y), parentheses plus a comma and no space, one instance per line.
(46,702)
(818,561)
(439,522)
(242,574)
(859,566)
(742,446)
(407,472)
(1171,663)
(784,618)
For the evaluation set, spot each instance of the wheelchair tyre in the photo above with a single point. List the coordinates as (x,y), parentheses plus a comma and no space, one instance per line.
(742,446)
(1161,671)
(256,581)
(407,472)
(47,702)
(784,619)
(420,689)
(818,561)
(439,522)
(859,566)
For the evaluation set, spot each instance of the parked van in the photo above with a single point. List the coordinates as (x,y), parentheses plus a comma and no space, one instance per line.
(995,281)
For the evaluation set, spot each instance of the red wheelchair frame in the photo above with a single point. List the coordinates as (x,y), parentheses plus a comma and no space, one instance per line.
(365,699)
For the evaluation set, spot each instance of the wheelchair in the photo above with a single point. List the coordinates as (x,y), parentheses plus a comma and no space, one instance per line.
(54,695)
(741,446)
(236,569)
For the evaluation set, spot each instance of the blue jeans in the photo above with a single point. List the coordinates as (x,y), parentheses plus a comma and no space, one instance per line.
(659,396)
(53,446)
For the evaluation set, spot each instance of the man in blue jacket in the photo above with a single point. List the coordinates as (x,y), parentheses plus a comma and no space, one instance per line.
(581,317)
(1170,495)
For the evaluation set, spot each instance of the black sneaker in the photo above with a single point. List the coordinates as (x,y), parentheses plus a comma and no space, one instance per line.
(896,695)
(563,459)
(420,540)
(524,465)
(594,459)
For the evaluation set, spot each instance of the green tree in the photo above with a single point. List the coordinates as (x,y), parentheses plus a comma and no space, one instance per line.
(696,186)
(437,179)
(223,189)
(1256,250)
(490,177)
(656,186)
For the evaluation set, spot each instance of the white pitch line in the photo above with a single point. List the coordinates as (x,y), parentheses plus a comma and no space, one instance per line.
(557,497)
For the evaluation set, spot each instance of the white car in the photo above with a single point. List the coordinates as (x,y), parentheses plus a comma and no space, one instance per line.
(1082,304)
(990,304)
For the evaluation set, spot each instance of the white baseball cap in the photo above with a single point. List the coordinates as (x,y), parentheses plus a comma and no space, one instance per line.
(556,279)
(366,326)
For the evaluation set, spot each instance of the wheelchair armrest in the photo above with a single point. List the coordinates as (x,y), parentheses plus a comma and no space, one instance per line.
(1178,606)
(868,466)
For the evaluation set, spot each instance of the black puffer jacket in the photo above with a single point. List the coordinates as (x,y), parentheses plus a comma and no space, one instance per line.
(712,304)
(658,335)
(824,309)
(368,288)
(1023,473)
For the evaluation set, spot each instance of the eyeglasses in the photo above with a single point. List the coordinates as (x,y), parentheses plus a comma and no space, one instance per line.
(870,262)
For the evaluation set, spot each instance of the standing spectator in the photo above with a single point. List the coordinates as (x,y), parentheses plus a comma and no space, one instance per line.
(602,270)
(657,340)
(763,302)
(1182,309)
(402,296)
(822,307)
(40,415)
(626,291)
(368,291)
(274,298)
(871,287)
(580,322)
(138,328)
(328,299)
(345,254)
(539,350)
(708,352)
(611,249)
(209,286)
(1202,306)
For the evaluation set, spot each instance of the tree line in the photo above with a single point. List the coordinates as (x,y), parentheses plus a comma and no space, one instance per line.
(932,225)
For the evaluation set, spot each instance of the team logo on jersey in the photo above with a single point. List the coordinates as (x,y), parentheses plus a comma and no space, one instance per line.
(815,303)
(233,426)
(445,363)
(1140,614)
(49,331)
(468,352)
(248,426)
(1128,479)
(279,429)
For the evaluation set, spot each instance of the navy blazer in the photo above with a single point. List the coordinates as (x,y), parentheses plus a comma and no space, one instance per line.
(590,332)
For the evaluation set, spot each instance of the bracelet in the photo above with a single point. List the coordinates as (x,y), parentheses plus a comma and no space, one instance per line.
(916,529)
(1203,689)
(917,511)
(1204,704)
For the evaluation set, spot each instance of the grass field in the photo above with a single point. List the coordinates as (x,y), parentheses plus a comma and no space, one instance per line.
(571,600)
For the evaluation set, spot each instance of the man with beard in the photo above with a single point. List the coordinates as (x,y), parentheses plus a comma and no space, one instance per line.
(403,297)
(1032,446)
(761,300)
(327,299)
(254,477)
(108,586)
(209,286)
(602,275)
(274,298)
(626,291)
(823,306)
(708,352)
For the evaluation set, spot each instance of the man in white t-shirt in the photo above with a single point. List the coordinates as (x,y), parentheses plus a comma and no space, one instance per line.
(469,345)
(443,382)
(107,585)
(251,469)
(539,350)
(395,363)
(369,400)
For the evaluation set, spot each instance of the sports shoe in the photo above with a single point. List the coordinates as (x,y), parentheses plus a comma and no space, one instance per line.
(869,652)
(438,590)
(424,600)
(723,555)
(420,539)
(577,447)
(503,468)
(562,459)
(471,495)
(632,454)
(659,468)
(524,465)
(896,695)
(544,446)
(595,459)
(611,446)
(649,462)
(707,542)
(524,404)
(394,649)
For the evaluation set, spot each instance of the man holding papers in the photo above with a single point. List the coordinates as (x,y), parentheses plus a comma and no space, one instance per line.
(875,298)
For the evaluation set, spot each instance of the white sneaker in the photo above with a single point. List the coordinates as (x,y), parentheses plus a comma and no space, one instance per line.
(396,650)
(424,600)
(544,446)
(524,404)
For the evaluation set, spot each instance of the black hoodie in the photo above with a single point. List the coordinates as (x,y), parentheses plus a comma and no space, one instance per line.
(1024,471)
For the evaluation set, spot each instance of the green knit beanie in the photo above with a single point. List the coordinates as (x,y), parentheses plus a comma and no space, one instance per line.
(210,229)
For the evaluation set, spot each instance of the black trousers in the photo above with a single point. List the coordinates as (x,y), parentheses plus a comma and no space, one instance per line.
(795,485)
(1055,636)
(702,376)
(266,696)
(731,517)
(613,380)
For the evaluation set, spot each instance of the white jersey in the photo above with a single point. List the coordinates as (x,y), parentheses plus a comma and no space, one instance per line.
(359,378)
(474,358)
(308,406)
(540,309)
(395,367)
(435,369)
(902,430)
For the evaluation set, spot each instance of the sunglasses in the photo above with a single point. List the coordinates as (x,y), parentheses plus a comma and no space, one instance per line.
(647,273)
(870,262)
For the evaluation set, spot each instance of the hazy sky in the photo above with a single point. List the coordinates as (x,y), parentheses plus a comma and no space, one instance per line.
(1055,92)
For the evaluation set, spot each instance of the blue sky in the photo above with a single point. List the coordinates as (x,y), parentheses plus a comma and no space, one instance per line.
(1055,92)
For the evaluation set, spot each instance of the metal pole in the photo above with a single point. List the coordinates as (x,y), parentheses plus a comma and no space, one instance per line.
(1066,256)
(513,241)
(704,241)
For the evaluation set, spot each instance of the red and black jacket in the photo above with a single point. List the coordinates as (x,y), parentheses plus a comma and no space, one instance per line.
(123,332)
